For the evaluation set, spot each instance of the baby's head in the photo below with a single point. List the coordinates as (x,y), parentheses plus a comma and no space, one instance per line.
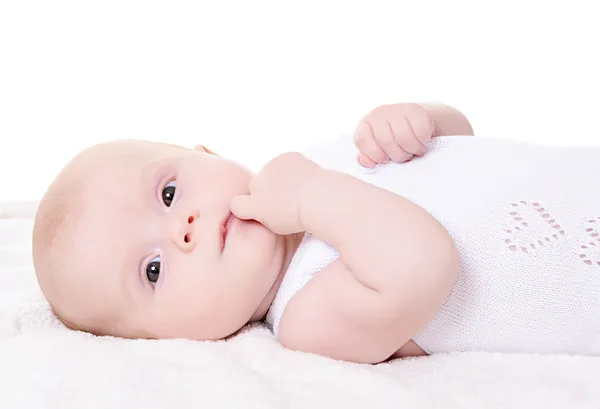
(129,241)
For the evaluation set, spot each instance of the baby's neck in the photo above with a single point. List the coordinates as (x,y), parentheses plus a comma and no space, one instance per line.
(291,244)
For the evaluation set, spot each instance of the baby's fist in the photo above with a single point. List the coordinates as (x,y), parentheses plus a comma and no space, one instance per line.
(393,132)
(276,192)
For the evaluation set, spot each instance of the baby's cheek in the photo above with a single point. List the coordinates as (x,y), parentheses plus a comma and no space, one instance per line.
(187,299)
(193,315)
(174,318)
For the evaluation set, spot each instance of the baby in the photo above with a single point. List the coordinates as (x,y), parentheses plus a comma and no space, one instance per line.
(411,238)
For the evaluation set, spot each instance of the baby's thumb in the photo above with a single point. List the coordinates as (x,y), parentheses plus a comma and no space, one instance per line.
(241,207)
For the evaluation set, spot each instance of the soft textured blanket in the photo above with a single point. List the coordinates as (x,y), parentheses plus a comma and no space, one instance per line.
(44,365)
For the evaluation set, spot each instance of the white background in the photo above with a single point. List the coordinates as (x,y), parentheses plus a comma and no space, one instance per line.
(252,79)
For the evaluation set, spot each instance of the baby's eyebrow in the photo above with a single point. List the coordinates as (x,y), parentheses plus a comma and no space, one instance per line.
(129,275)
(152,173)
(148,174)
(147,184)
(130,253)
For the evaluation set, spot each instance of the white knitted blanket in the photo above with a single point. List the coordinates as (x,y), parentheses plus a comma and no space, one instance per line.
(44,365)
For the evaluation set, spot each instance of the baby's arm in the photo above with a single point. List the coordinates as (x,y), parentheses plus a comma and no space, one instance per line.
(358,219)
(398,264)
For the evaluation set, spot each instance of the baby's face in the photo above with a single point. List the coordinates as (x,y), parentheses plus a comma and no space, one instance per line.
(152,246)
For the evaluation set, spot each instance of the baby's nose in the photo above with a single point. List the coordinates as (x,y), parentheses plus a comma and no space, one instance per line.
(184,235)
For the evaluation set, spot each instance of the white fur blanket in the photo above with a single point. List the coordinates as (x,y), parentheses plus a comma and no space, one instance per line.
(44,365)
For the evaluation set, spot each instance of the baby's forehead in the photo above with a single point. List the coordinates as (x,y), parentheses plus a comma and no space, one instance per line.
(107,231)
(118,150)
(113,184)
(116,162)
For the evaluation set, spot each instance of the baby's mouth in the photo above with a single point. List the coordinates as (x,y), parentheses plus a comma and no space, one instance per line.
(225,228)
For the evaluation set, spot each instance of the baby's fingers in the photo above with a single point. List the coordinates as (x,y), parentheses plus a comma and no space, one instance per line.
(364,161)
(241,207)
(405,135)
(365,142)
(414,128)
(387,142)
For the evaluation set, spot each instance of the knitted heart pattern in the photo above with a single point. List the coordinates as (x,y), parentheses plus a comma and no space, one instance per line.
(524,215)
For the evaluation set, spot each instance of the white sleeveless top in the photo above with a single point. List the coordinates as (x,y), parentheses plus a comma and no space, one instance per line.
(526,222)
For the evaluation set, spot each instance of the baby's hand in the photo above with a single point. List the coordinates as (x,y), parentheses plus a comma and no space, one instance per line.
(397,132)
(276,192)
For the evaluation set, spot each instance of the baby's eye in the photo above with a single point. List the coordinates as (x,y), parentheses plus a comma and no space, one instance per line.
(168,193)
(153,269)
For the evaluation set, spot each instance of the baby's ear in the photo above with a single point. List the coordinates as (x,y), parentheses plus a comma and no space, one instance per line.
(203,148)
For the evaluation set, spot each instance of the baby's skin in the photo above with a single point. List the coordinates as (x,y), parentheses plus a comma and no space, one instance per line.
(145,240)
